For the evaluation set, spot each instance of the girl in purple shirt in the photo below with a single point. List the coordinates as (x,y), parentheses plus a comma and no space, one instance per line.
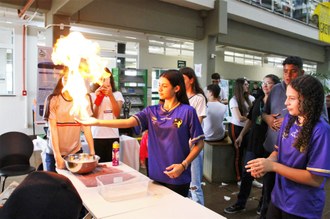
(170,126)
(301,157)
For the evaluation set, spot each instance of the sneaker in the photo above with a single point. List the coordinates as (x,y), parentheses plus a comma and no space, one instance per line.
(257,184)
(234,209)
(259,208)
(258,211)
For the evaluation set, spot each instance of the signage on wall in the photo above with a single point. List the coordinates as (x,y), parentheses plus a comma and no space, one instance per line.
(181,64)
(47,78)
(324,21)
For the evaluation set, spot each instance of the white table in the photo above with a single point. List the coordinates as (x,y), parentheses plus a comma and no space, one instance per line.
(160,203)
(129,149)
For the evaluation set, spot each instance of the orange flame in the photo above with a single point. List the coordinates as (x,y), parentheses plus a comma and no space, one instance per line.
(84,65)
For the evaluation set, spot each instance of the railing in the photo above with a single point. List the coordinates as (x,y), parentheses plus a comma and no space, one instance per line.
(306,11)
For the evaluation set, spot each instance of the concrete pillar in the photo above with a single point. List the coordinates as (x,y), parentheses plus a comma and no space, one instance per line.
(204,53)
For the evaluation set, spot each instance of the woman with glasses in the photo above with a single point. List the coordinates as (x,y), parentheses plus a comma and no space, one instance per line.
(257,132)
(239,105)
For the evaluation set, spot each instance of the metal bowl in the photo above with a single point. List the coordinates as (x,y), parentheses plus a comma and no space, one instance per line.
(81,163)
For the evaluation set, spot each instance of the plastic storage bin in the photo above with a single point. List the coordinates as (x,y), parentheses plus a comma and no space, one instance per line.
(122,186)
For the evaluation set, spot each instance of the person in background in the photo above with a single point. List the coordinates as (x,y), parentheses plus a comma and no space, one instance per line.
(273,113)
(175,136)
(256,90)
(213,123)
(239,105)
(144,151)
(107,105)
(300,158)
(197,100)
(257,129)
(64,132)
(327,102)
(216,79)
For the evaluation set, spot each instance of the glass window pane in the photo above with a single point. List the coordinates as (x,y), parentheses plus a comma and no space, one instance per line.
(229,59)
(229,53)
(6,62)
(172,52)
(239,54)
(239,60)
(156,50)
(187,53)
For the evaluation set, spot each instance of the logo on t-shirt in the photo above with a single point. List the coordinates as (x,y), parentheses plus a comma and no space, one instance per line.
(177,122)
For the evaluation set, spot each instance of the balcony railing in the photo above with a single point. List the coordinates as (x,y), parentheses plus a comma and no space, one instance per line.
(306,11)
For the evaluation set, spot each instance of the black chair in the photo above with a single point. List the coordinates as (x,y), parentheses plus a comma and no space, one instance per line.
(16,149)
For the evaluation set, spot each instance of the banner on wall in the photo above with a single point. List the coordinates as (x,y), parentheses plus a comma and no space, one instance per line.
(324,21)
(48,75)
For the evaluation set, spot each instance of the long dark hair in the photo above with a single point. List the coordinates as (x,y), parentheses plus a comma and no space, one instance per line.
(56,91)
(190,73)
(242,96)
(311,99)
(94,86)
(176,79)
(112,81)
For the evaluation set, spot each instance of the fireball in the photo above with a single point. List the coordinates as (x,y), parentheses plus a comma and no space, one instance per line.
(81,57)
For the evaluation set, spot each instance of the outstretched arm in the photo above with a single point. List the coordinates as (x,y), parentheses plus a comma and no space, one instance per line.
(115,123)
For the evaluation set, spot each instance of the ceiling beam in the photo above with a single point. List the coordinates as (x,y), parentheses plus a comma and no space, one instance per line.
(68,7)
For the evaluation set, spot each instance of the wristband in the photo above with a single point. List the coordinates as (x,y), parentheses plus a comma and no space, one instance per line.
(184,164)
(184,168)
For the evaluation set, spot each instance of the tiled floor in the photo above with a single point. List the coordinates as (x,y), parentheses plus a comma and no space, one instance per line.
(215,194)
(217,197)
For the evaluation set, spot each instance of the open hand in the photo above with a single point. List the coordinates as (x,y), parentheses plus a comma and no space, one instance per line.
(89,121)
(259,167)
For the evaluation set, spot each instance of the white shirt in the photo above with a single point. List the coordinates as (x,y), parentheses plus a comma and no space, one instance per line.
(198,101)
(105,113)
(232,104)
(213,123)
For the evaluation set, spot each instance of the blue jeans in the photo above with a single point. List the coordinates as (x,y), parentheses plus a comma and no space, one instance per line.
(195,191)
(50,162)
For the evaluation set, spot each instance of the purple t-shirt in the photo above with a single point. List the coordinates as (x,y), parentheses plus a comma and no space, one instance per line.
(295,198)
(168,143)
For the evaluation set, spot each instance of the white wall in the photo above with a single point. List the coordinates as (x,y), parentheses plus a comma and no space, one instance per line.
(16,111)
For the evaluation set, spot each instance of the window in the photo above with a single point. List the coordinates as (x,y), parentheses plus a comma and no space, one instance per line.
(171,47)
(243,58)
(6,61)
(249,57)
(310,68)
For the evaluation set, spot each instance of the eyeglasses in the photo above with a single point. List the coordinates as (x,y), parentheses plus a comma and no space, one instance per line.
(266,83)
(246,84)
